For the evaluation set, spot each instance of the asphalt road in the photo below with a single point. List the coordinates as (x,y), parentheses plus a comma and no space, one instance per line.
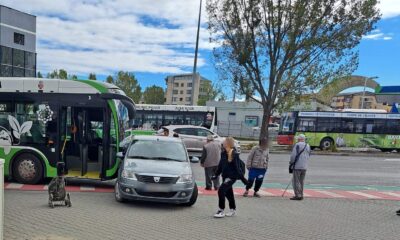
(332,170)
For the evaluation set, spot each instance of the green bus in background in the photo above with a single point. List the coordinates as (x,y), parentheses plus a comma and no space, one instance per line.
(45,121)
(357,129)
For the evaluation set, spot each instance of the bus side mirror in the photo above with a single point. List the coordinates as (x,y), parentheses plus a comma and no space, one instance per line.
(120,155)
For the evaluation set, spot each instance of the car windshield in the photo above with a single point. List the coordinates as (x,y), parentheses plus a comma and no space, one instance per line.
(157,150)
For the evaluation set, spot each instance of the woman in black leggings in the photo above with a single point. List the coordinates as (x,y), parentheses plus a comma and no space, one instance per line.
(229,167)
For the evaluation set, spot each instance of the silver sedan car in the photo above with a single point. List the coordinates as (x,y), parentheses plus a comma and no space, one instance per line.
(156,168)
(194,137)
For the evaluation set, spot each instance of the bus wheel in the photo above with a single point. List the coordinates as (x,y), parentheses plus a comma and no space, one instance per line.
(326,144)
(27,169)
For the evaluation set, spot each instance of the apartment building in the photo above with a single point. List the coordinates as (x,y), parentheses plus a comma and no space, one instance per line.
(182,91)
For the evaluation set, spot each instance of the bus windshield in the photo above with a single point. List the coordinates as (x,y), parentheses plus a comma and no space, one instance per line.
(123,117)
(287,123)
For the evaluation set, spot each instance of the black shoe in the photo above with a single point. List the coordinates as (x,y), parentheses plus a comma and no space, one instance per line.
(256,195)
(207,188)
(296,198)
(398,212)
(216,188)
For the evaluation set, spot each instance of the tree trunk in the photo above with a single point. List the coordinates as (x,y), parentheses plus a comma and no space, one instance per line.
(265,122)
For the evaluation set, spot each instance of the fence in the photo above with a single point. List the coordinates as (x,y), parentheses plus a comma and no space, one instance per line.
(1,198)
(240,129)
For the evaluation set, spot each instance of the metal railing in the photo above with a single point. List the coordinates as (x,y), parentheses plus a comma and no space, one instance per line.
(240,129)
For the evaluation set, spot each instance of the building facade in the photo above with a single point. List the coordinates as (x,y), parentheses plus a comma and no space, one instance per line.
(355,101)
(17,43)
(180,89)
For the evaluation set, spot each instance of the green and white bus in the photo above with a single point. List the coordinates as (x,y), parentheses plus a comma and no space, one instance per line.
(342,129)
(45,121)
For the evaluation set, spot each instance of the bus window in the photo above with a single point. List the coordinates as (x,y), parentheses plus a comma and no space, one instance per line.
(287,123)
(393,127)
(375,126)
(306,125)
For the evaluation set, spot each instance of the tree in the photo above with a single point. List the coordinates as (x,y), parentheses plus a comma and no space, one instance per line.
(59,74)
(273,50)
(92,76)
(73,77)
(39,75)
(153,95)
(110,79)
(211,92)
(127,82)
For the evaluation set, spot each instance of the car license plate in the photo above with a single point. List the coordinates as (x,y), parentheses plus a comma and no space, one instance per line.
(157,188)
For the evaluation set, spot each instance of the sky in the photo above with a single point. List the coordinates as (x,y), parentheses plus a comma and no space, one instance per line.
(156,38)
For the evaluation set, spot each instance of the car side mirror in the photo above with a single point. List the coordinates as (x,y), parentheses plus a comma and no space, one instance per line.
(120,155)
(194,159)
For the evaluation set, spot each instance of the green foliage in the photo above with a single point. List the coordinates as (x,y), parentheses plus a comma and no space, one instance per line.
(92,76)
(211,92)
(39,75)
(128,83)
(73,77)
(153,95)
(278,50)
(110,79)
(58,74)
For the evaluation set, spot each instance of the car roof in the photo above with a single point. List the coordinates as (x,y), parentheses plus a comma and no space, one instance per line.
(182,126)
(157,138)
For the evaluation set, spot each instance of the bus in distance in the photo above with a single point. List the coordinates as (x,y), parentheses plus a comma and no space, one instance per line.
(342,129)
(150,117)
(45,121)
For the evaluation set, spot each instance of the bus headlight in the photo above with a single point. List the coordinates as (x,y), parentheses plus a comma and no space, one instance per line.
(128,174)
(185,178)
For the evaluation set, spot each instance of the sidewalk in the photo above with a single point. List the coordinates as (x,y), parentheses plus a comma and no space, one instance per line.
(99,216)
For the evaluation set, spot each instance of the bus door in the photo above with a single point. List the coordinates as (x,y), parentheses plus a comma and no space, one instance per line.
(82,141)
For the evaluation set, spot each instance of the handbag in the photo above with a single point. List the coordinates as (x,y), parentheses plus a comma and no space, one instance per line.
(291,166)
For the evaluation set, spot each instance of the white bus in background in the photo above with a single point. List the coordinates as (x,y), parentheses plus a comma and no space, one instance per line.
(152,117)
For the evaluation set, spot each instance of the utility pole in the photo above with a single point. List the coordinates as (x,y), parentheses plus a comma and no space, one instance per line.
(195,55)
(365,85)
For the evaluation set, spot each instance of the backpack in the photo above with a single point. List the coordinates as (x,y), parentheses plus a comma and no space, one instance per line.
(241,166)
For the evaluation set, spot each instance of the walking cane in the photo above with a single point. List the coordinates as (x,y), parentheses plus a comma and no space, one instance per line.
(283,194)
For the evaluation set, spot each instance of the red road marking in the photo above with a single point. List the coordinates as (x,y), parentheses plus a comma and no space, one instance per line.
(314,193)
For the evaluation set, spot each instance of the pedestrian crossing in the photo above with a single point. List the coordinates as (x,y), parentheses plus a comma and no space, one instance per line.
(265,192)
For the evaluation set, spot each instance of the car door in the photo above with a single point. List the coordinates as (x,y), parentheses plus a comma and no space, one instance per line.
(201,137)
(188,137)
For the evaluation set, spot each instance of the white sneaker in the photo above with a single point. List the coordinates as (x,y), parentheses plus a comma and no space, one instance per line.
(219,214)
(231,213)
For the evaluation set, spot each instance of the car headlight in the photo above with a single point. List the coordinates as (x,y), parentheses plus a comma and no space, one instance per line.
(185,178)
(128,174)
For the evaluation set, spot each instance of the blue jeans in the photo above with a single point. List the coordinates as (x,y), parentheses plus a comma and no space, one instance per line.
(257,175)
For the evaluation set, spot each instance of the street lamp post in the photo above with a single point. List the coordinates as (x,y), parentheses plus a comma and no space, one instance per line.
(195,56)
(365,85)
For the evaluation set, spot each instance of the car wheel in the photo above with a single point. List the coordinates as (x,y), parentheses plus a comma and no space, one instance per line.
(117,192)
(27,169)
(193,198)
(326,144)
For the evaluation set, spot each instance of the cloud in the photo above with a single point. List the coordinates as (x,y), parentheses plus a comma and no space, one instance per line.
(389,8)
(102,36)
(377,35)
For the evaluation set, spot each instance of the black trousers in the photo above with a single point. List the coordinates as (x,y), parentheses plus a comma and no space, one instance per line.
(257,186)
(226,191)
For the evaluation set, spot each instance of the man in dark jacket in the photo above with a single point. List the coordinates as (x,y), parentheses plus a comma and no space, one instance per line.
(209,161)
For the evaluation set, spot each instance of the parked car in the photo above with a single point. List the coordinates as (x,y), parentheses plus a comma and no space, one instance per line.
(272,127)
(194,137)
(158,169)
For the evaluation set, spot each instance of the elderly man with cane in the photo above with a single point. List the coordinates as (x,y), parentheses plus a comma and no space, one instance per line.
(298,166)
